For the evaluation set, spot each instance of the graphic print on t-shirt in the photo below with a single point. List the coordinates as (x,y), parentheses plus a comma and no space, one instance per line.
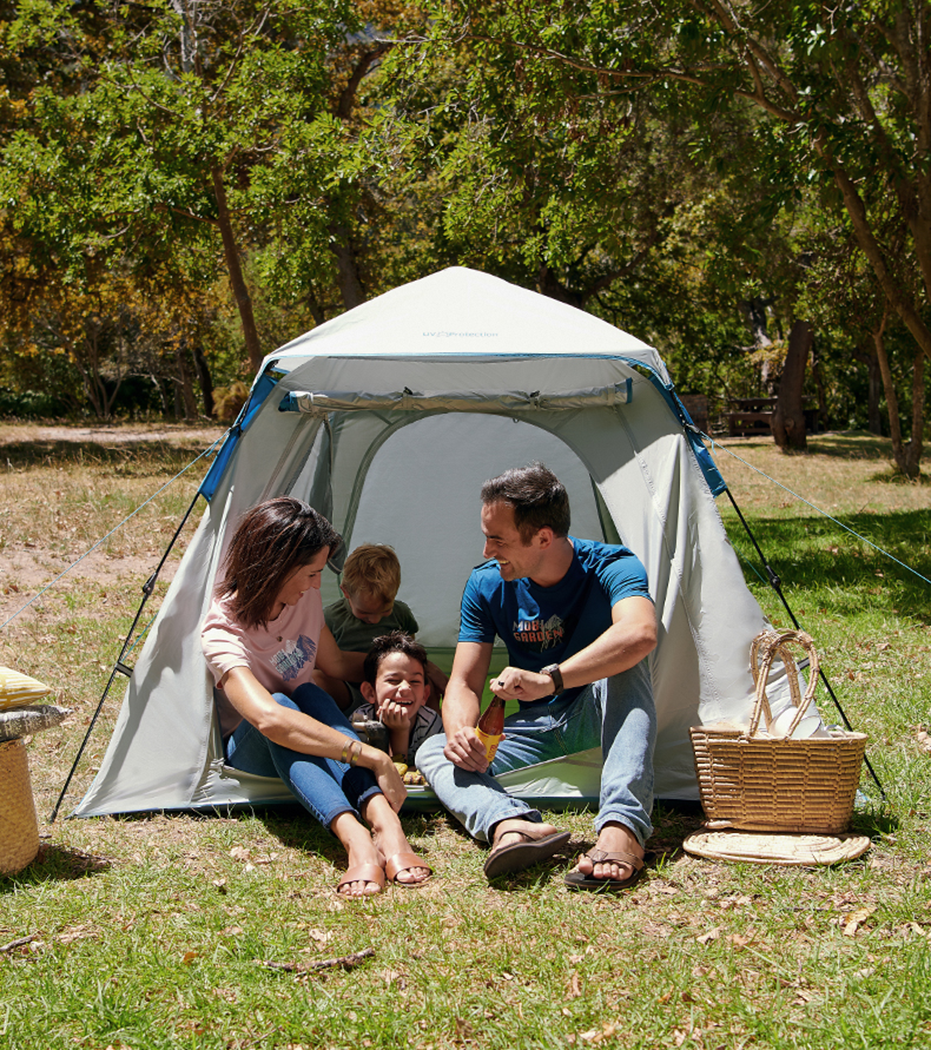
(289,661)
(539,635)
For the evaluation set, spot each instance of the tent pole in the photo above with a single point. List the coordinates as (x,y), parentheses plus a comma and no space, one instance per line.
(776,583)
(120,667)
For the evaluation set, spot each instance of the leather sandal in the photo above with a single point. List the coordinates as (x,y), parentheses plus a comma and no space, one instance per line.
(577,880)
(404,862)
(362,873)
(506,860)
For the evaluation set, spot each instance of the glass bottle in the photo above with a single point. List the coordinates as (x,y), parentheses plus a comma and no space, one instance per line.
(490,727)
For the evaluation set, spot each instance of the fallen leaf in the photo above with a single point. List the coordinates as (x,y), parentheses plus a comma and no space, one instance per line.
(574,990)
(740,940)
(853,921)
(239,853)
(712,935)
(189,957)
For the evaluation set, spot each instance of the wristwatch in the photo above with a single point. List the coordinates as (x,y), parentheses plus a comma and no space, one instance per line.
(553,671)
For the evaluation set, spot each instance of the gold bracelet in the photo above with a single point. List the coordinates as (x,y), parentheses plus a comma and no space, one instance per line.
(354,756)
(344,757)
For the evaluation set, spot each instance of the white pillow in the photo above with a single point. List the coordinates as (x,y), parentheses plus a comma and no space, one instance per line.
(24,721)
(18,690)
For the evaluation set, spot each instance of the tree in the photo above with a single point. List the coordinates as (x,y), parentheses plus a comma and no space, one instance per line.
(160,148)
(844,97)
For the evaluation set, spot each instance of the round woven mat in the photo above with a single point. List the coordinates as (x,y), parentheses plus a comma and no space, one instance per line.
(758,847)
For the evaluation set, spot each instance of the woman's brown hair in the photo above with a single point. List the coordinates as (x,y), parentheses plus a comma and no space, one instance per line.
(272,540)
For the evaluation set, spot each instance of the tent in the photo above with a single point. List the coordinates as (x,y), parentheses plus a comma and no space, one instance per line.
(387,419)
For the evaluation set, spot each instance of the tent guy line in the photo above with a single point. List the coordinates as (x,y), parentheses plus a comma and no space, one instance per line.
(815,507)
(114,530)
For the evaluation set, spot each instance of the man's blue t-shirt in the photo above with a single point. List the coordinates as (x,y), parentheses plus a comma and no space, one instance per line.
(546,625)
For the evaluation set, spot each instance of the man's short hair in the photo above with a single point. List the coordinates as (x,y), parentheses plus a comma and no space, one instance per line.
(373,568)
(538,497)
(386,644)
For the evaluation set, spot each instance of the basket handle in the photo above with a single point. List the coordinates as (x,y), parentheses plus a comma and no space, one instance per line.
(764,649)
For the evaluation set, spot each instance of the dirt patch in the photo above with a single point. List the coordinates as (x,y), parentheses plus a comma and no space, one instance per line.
(36,552)
(109,434)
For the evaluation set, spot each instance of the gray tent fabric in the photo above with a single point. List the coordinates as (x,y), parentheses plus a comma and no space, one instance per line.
(387,420)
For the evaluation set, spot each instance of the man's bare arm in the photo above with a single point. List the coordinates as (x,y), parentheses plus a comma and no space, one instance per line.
(631,637)
(462,704)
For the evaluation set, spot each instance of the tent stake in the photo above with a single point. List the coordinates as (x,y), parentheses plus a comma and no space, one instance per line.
(120,666)
(776,583)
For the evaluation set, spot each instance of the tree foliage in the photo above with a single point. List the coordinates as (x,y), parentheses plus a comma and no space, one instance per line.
(712,176)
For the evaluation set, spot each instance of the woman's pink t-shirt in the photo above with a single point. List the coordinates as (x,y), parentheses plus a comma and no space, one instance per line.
(281,655)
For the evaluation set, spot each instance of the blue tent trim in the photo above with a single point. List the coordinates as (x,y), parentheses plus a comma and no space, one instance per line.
(261,388)
(709,469)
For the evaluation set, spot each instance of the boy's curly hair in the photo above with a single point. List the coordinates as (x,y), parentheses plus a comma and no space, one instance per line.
(386,644)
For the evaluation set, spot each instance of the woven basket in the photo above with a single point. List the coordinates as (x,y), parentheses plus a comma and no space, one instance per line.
(19,829)
(762,783)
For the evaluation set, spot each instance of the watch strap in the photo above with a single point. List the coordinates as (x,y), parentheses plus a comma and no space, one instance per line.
(553,671)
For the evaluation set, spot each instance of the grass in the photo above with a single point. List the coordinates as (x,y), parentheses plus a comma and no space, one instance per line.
(158,930)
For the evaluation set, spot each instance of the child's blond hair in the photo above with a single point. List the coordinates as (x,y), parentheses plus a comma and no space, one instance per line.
(373,568)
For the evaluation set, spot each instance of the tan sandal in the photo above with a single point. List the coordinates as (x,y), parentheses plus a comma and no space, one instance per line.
(362,873)
(404,862)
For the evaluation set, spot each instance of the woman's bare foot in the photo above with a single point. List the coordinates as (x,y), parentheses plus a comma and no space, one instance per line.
(391,842)
(364,875)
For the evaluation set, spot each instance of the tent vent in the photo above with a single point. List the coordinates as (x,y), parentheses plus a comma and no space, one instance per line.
(406,401)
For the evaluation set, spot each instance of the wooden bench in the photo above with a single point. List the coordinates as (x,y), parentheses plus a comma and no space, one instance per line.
(749,416)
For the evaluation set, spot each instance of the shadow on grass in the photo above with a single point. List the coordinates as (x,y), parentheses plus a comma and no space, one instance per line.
(841,571)
(136,458)
(851,444)
(55,863)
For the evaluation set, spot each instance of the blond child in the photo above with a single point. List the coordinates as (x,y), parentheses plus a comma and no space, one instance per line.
(369,607)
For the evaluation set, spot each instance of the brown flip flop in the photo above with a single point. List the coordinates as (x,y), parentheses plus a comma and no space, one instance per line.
(507,860)
(576,880)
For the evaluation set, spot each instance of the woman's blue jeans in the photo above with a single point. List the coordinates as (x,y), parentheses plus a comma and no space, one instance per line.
(324,786)
(616,713)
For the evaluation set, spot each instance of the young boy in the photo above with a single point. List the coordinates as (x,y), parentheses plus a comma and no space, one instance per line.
(370,582)
(395,693)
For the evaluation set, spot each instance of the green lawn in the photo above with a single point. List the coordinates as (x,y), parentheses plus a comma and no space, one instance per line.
(208,931)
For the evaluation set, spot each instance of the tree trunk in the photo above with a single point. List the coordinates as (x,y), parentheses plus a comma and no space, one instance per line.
(234,269)
(789,419)
(892,400)
(203,377)
(348,281)
(867,355)
(914,448)
(818,376)
(183,381)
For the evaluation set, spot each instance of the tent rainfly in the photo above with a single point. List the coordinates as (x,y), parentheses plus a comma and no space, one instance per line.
(387,420)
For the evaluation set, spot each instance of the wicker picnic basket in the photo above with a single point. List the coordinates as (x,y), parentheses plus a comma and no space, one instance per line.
(756,782)
(19,829)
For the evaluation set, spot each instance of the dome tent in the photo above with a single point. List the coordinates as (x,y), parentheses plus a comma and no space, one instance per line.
(388,419)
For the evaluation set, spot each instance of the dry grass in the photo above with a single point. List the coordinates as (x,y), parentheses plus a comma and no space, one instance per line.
(155,930)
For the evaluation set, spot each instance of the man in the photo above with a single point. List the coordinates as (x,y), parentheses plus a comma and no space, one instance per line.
(577,620)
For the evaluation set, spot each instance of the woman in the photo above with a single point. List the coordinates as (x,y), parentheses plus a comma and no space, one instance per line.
(262,638)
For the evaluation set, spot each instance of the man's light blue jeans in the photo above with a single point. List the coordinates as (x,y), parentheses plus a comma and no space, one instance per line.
(324,786)
(617,713)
